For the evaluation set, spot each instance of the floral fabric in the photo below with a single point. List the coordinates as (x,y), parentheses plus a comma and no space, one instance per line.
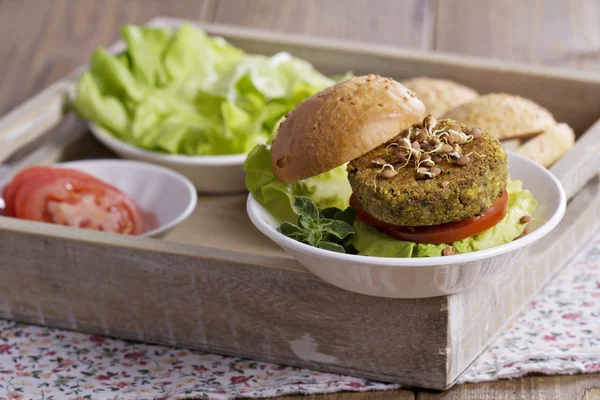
(39,363)
(559,333)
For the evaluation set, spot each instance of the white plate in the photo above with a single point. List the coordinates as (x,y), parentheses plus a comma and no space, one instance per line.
(426,277)
(209,174)
(166,197)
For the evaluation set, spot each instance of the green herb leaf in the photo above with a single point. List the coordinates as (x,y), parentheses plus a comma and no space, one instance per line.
(306,207)
(301,236)
(330,212)
(339,229)
(323,222)
(308,223)
(332,247)
(348,216)
(294,232)
(314,237)
(317,229)
(287,229)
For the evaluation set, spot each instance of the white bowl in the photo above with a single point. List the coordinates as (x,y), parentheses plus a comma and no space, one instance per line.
(209,174)
(167,196)
(426,277)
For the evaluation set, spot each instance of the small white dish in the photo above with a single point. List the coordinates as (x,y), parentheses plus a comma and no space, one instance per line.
(433,276)
(209,174)
(166,196)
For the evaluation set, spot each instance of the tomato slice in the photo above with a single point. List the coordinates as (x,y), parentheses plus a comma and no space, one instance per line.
(80,203)
(74,198)
(10,191)
(436,234)
(36,174)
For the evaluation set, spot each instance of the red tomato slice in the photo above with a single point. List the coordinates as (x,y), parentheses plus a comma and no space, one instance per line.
(10,191)
(34,174)
(436,234)
(79,200)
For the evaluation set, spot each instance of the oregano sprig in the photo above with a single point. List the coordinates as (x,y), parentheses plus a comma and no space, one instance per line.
(329,229)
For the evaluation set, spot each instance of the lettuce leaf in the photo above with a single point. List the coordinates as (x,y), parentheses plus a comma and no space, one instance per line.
(331,189)
(520,203)
(146,46)
(185,92)
(114,77)
(94,105)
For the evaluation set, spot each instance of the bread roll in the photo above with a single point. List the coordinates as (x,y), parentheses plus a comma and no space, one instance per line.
(440,95)
(340,124)
(504,115)
(551,145)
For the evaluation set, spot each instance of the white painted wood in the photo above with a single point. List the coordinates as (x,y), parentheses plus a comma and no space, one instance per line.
(33,118)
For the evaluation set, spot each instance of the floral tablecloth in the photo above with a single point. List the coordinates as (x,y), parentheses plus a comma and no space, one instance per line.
(559,333)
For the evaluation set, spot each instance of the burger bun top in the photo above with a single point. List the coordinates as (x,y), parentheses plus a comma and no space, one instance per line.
(340,124)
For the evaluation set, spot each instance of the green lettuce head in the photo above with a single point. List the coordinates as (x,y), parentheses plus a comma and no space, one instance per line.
(184,92)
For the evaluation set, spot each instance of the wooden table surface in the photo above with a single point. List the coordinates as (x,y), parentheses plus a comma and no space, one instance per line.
(43,40)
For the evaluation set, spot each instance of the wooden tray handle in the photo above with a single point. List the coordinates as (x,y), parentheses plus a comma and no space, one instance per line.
(581,164)
(32,119)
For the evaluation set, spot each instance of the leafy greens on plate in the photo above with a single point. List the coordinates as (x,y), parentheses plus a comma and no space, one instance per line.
(184,92)
(329,229)
(331,189)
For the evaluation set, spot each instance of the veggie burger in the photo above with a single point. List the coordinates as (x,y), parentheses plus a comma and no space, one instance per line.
(434,187)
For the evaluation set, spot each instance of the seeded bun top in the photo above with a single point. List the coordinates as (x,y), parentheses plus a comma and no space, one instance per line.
(504,115)
(440,95)
(340,124)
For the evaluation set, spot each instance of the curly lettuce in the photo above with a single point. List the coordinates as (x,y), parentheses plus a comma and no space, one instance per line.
(184,92)
(330,189)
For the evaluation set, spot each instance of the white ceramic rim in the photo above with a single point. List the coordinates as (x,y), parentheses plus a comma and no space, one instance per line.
(118,145)
(172,174)
(253,208)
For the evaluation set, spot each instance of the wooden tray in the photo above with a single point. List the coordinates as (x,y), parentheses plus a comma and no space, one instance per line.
(216,284)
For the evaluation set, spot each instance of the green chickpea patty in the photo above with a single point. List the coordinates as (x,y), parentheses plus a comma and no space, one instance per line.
(396,184)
